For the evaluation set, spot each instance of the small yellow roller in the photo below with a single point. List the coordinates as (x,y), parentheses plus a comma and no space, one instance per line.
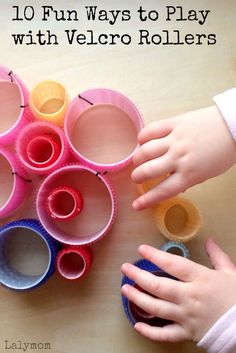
(49,101)
(178,219)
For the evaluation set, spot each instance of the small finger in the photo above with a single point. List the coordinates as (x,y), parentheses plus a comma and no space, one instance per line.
(155,130)
(153,169)
(153,306)
(177,266)
(150,150)
(161,287)
(171,186)
(170,333)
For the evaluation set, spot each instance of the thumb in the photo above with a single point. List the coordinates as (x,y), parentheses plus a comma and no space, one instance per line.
(219,259)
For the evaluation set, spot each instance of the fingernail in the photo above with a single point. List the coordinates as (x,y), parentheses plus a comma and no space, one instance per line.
(124,289)
(142,248)
(133,174)
(124,268)
(135,205)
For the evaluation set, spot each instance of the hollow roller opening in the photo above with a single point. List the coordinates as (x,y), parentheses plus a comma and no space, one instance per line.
(6,180)
(175,248)
(43,151)
(49,101)
(14,110)
(178,219)
(102,128)
(27,255)
(99,209)
(71,265)
(65,202)
(14,183)
(10,102)
(74,262)
(42,147)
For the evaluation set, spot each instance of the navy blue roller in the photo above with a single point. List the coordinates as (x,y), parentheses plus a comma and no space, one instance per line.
(132,312)
(27,254)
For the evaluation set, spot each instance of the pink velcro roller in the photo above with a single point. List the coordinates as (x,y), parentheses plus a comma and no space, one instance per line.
(64,203)
(74,262)
(14,110)
(43,150)
(102,126)
(42,147)
(14,183)
(99,211)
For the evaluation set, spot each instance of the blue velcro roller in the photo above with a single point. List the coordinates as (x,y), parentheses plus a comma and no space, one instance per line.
(27,254)
(132,312)
(176,248)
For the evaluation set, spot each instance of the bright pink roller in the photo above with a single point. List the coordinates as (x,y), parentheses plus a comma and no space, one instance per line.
(42,147)
(64,203)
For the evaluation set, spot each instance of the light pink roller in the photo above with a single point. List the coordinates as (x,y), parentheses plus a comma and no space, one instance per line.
(42,147)
(14,183)
(99,210)
(14,110)
(102,126)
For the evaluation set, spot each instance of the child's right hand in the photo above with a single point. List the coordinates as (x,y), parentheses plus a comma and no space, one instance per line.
(190,148)
(194,303)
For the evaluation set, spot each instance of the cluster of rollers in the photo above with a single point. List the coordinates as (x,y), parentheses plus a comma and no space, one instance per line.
(61,142)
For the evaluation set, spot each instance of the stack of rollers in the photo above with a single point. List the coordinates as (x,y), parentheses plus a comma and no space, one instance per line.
(69,147)
(179,220)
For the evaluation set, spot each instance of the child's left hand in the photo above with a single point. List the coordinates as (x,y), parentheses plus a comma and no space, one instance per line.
(194,303)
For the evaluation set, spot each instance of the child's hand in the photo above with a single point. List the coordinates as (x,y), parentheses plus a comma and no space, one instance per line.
(190,148)
(194,303)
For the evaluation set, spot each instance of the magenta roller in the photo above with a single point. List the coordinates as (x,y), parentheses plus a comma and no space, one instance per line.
(64,203)
(42,147)
(42,151)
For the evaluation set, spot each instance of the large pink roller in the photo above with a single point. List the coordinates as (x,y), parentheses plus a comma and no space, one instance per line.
(102,126)
(14,110)
(99,210)
(14,183)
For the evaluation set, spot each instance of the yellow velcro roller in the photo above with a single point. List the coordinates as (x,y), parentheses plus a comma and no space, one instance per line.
(49,102)
(178,219)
